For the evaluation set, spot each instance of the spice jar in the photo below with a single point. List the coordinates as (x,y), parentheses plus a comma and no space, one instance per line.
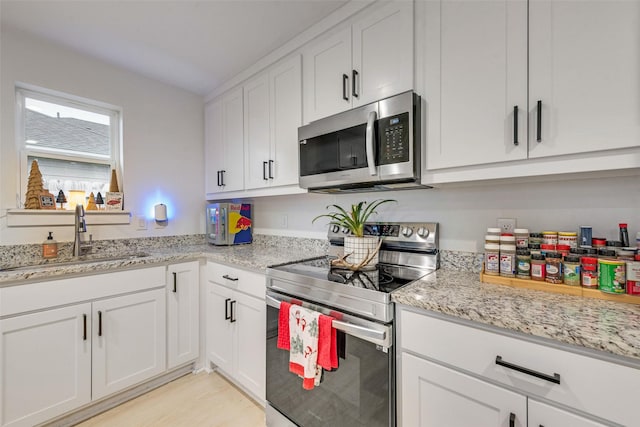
(534,248)
(612,276)
(585,235)
(507,239)
(589,272)
(544,248)
(492,238)
(538,267)
(494,231)
(523,263)
(592,252)
(578,251)
(563,249)
(598,242)
(633,276)
(553,267)
(568,238)
(550,237)
(522,238)
(606,254)
(535,238)
(492,259)
(626,254)
(571,270)
(508,260)
(614,245)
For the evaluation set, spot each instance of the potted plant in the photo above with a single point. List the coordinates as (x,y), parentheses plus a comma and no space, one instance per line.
(361,250)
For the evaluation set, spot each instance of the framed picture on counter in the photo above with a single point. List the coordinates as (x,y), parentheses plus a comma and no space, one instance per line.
(47,201)
(113,201)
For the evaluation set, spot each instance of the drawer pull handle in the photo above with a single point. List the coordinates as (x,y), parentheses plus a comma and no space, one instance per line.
(233,317)
(539,123)
(84,327)
(99,323)
(227,316)
(345,83)
(175,282)
(555,378)
(515,125)
(512,420)
(233,279)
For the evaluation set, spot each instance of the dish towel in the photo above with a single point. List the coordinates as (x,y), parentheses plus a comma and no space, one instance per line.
(311,340)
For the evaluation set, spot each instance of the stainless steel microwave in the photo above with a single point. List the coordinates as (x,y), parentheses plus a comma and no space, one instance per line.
(373,147)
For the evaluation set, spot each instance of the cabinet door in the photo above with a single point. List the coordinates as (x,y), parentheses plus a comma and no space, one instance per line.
(250,343)
(285,82)
(256,132)
(45,364)
(219,328)
(327,69)
(183,335)
(233,140)
(584,68)
(475,64)
(543,415)
(432,396)
(213,146)
(383,53)
(129,340)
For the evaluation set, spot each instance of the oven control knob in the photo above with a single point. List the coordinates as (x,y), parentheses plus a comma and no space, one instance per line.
(422,232)
(335,228)
(407,231)
(345,230)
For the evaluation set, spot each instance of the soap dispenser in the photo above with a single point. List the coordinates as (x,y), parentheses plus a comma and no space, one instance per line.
(50,247)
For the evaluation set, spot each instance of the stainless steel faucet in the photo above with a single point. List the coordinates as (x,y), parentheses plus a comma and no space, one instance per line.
(80,247)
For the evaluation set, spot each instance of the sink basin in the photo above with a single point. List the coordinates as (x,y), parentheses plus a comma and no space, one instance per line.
(86,259)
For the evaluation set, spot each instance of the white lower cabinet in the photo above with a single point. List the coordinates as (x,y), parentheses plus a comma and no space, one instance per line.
(236,324)
(183,313)
(129,341)
(456,373)
(45,363)
(65,343)
(436,396)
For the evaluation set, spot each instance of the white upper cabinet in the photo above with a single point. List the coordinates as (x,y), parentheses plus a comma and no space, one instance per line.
(361,63)
(584,59)
(224,139)
(382,53)
(272,115)
(475,65)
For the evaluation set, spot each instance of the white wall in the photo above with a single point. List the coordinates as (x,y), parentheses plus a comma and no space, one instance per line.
(464,213)
(162,131)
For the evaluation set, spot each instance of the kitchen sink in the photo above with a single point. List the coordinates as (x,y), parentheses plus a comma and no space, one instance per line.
(86,259)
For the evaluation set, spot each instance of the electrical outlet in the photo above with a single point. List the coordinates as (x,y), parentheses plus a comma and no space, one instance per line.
(284,221)
(506,225)
(141,222)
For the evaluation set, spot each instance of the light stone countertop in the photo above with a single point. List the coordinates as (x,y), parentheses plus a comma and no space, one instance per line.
(594,324)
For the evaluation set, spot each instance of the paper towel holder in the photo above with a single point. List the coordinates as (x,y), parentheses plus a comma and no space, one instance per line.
(160,211)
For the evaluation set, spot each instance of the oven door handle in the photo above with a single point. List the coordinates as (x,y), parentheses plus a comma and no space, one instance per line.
(362,332)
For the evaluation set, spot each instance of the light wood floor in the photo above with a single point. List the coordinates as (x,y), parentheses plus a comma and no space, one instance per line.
(193,400)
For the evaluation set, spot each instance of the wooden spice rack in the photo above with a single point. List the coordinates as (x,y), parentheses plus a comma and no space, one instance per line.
(559,288)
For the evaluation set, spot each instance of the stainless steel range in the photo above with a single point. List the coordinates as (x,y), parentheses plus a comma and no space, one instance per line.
(361,392)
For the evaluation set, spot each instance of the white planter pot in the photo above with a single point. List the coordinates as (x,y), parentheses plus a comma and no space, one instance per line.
(361,248)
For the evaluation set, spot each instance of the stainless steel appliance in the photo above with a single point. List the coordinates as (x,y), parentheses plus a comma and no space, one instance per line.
(361,392)
(228,223)
(373,147)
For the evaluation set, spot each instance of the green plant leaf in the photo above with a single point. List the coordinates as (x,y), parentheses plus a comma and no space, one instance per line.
(355,219)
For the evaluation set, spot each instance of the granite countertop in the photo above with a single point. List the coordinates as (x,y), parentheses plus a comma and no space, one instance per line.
(595,324)
(255,257)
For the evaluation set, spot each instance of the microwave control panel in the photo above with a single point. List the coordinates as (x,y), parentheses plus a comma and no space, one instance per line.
(394,139)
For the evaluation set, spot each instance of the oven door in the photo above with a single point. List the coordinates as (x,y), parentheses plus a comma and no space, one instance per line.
(361,392)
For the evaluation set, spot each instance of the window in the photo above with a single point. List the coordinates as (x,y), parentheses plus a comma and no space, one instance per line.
(76,142)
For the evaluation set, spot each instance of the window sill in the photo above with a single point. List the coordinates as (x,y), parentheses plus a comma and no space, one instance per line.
(45,217)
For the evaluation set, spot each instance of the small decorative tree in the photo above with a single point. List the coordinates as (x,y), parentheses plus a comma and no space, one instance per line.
(99,200)
(113,185)
(62,199)
(91,204)
(34,187)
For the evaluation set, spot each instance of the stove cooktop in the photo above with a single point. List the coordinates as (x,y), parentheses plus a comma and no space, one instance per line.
(384,278)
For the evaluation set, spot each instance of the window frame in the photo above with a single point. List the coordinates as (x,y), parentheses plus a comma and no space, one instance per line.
(115,160)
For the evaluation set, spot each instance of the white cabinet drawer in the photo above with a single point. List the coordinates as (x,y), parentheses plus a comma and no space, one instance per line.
(42,295)
(235,278)
(591,385)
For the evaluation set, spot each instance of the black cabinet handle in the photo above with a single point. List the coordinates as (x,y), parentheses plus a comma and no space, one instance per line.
(539,122)
(354,75)
(271,162)
(175,282)
(345,82)
(515,125)
(233,279)
(264,171)
(219,179)
(226,309)
(233,314)
(84,327)
(512,420)
(222,172)
(99,323)
(553,379)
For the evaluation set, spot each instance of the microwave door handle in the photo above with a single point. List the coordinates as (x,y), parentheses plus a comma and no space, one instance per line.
(371,161)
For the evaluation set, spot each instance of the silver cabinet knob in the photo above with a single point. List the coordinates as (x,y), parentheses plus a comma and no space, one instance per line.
(422,232)
(407,231)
